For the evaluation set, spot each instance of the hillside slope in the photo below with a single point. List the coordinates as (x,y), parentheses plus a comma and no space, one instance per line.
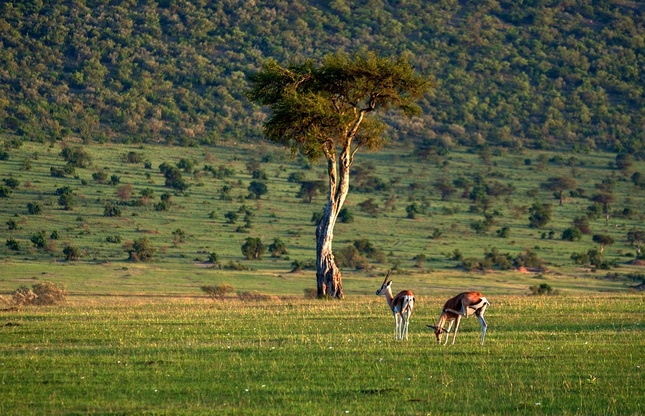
(512,73)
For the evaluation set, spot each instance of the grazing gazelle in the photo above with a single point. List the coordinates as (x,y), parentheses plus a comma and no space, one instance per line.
(464,304)
(401,305)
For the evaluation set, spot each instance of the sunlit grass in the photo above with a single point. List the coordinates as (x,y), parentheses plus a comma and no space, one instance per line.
(553,355)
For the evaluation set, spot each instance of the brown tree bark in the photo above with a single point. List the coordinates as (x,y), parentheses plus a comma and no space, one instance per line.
(328,276)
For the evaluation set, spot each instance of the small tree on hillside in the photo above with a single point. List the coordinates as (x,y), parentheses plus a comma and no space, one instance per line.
(540,215)
(602,240)
(253,248)
(141,250)
(559,185)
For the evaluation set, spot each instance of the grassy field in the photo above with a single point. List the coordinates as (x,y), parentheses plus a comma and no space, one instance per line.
(132,355)
(142,337)
(179,264)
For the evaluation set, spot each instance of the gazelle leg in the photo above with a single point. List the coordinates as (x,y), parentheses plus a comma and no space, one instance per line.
(407,322)
(454,337)
(397,326)
(448,332)
(484,326)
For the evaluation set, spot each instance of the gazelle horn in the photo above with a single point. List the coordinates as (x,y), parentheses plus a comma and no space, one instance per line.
(389,273)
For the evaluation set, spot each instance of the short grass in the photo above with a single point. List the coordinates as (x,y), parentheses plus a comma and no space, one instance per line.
(568,355)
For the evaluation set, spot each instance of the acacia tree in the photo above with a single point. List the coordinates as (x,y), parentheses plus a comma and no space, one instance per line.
(328,110)
(559,185)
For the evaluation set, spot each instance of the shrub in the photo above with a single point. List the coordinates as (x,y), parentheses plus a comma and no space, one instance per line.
(38,239)
(311,293)
(99,176)
(254,295)
(113,239)
(299,265)
(5,192)
(76,157)
(277,248)
(72,253)
(34,208)
(572,234)
(213,258)
(13,244)
(111,210)
(345,216)
(542,289)
(253,248)
(12,183)
(257,189)
(141,250)
(218,292)
(40,294)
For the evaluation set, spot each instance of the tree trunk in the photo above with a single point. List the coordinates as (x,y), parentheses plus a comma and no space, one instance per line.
(328,277)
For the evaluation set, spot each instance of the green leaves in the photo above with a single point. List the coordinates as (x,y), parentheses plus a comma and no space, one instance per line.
(315,109)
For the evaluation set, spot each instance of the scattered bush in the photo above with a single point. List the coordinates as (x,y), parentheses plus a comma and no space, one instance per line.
(277,248)
(13,244)
(111,210)
(141,250)
(34,208)
(299,265)
(113,239)
(542,289)
(218,292)
(38,240)
(253,248)
(256,296)
(72,253)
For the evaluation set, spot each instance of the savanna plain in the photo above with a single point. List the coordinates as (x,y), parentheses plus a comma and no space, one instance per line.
(143,338)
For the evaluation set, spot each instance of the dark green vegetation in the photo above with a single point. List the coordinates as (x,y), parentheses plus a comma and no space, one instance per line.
(511,73)
(579,355)
(119,227)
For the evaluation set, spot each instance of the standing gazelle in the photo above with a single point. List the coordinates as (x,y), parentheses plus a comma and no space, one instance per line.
(464,304)
(401,305)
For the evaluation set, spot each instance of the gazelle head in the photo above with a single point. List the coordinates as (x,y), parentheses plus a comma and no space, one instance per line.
(386,285)
(438,332)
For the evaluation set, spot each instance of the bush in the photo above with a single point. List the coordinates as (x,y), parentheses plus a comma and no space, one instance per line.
(111,210)
(218,292)
(253,248)
(38,240)
(299,265)
(13,244)
(254,295)
(72,253)
(113,239)
(277,248)
(572,234)
(40,294)
(141,250)
(311,293)
(34,208)
(542,289)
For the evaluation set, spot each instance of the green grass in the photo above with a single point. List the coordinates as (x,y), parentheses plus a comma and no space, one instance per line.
(543,355)
(180,268)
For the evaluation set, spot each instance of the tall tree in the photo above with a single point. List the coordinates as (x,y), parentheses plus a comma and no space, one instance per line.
(328,110)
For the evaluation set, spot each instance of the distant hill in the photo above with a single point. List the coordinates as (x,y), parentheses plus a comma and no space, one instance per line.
(534,73)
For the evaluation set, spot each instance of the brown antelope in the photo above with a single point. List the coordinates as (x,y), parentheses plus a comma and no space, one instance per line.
(401,305)
(464,304)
